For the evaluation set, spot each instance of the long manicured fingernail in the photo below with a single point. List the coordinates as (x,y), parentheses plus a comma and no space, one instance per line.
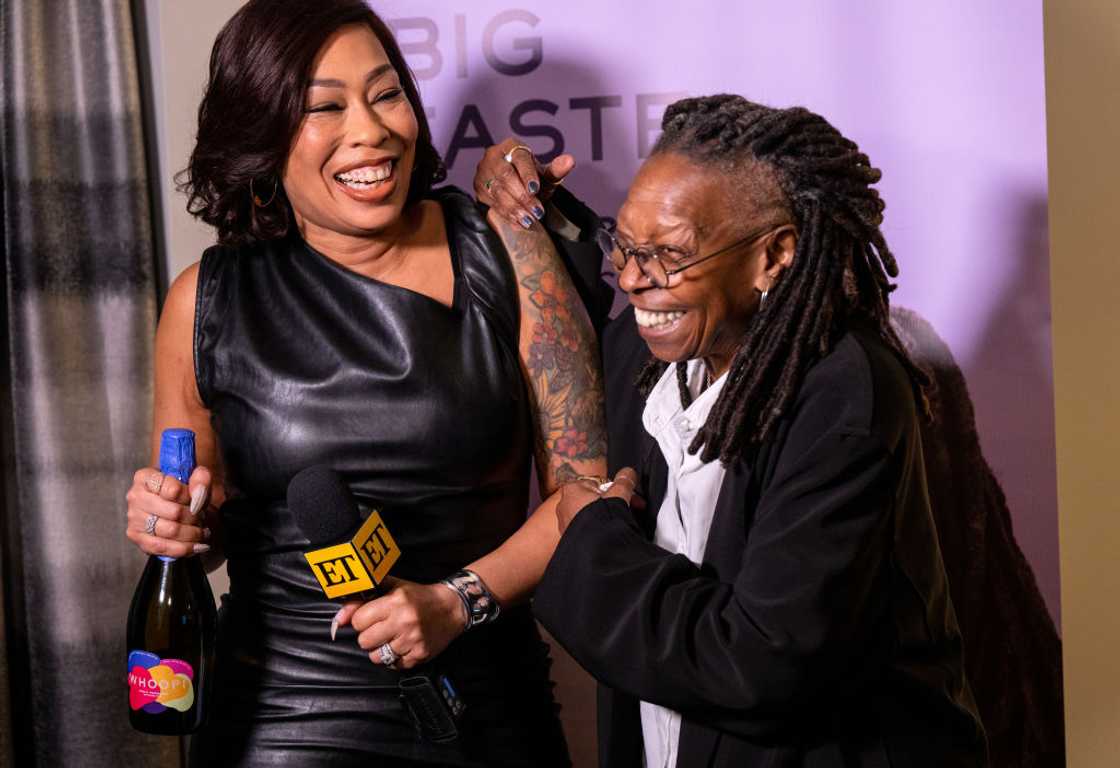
(198,496)
(201,549)
(334,624)
(533,187)
(538,211)
(206,534)
(526,222)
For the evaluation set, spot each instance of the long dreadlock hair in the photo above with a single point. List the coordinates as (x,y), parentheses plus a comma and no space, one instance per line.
(841,269)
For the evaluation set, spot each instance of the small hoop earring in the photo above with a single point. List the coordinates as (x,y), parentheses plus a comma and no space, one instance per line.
(257,201)
(762,298)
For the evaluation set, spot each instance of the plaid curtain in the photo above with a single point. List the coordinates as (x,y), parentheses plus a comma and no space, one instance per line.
(79,310)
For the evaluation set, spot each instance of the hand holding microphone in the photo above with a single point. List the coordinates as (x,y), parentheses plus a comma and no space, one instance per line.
(415,622)
(403,623)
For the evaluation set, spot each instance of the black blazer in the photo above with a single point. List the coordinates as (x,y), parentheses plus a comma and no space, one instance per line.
(818,631)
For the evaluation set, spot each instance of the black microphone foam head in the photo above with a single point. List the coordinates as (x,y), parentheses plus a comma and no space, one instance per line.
(323,508)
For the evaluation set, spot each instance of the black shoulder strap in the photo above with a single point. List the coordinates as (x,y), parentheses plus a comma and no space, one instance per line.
(485,268)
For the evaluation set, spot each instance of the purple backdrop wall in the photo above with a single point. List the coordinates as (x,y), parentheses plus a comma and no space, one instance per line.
(946,98)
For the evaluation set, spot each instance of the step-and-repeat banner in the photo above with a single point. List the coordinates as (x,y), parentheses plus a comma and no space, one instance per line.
(946,98)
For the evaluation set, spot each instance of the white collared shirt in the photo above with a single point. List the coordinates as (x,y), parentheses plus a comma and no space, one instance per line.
(685,516)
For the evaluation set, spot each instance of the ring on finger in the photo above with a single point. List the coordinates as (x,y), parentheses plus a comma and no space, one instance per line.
(150,525)
(389,657)
(626,480)
(598,483)
(508,156)
(154,483)
(489,183)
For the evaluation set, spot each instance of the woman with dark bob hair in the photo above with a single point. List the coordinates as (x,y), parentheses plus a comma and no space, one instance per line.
(354,317)
(781,598)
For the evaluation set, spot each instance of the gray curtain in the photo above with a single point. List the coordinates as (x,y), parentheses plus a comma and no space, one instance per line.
(79,309)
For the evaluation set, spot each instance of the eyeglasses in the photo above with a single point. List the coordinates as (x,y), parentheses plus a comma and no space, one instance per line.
(662,262)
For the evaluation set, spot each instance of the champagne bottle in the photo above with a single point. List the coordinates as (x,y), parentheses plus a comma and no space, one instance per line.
(171,626)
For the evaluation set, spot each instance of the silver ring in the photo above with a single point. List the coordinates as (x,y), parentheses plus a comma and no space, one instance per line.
(150,525)
(508,156)
(388,655)
(601,484)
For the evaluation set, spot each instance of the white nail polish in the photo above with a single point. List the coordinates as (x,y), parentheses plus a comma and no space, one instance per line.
(334,623)
(201,549)
(198,496)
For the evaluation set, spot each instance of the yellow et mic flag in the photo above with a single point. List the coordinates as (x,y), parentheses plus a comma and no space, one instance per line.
(357,565)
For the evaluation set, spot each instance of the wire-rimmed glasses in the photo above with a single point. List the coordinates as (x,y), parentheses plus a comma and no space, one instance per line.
(661,262)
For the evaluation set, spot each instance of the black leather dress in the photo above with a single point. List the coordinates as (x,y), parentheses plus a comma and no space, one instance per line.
(423,409)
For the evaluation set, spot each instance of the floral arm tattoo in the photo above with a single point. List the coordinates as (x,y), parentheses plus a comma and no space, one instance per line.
(560,357)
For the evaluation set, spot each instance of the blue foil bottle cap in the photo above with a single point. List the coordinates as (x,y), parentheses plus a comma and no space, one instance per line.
(176,453)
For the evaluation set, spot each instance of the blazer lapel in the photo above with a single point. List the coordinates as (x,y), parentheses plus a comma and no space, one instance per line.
(655,482)
(620,729)
(734,511)
(722,554)
(697,745)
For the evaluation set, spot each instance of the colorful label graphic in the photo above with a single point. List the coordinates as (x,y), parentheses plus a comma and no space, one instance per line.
(156,684)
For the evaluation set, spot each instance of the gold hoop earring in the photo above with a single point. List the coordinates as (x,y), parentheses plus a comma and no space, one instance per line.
(257,201)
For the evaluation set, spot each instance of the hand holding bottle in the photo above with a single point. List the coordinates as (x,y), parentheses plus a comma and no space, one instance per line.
(166,516)
(171,620)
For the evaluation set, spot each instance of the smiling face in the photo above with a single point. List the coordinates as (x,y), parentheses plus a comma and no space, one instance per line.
(349,166)
(675,203)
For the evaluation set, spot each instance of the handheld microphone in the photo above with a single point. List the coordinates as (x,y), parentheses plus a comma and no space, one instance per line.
(326,513)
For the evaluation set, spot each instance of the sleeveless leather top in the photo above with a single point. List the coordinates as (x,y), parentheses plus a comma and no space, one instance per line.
(423,410)
(420,406)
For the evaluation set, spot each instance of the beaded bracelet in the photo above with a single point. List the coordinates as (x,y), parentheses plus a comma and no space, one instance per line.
(479,603)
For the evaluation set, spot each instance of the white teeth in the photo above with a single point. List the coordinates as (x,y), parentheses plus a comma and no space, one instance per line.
(366,176)
(648,319)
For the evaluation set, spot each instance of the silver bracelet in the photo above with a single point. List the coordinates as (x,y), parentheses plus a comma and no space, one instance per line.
(479,603)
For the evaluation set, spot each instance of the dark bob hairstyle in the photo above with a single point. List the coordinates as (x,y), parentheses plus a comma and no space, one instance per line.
(253,106)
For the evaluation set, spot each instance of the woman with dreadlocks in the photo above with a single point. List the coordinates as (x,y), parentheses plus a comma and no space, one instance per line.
(784,602)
